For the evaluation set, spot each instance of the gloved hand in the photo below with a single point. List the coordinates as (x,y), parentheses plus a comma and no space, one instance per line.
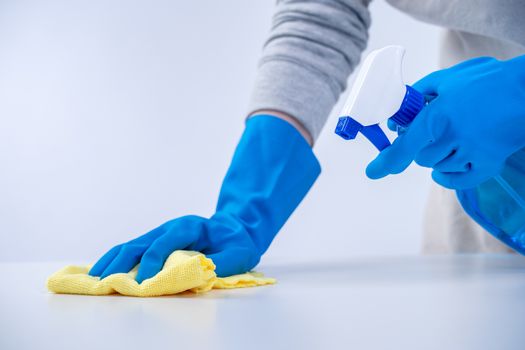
(474,121)
(271,171)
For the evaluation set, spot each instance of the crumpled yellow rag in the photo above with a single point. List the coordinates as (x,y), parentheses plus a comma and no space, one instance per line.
(183,271)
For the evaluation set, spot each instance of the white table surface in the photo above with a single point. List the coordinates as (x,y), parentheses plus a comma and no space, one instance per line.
(440,302)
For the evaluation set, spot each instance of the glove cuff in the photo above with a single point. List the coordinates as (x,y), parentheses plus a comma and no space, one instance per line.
(272,170)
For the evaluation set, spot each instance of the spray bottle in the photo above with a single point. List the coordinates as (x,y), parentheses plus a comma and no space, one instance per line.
(379,94)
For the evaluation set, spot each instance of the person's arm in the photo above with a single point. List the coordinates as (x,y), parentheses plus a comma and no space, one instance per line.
(312,48)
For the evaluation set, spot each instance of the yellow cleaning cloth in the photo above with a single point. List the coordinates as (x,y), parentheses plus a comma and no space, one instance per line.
(183,271)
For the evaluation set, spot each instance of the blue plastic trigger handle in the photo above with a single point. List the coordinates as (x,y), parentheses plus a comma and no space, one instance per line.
(347,128)
(375,134)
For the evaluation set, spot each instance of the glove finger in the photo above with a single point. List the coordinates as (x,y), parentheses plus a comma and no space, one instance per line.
(456,162)
(460,181)
(234,261)
(104,261)
(398,156)
(392,125)
(428,85)
(107,265)
(102,264)
(477,62)
(434,153)
(128,257)
(154,258)
(182,234)
(151,236)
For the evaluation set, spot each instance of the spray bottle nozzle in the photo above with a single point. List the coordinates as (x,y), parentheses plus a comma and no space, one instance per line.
(347,128)
(378,94)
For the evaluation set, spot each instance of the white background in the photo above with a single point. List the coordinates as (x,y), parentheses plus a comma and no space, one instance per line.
(117,116)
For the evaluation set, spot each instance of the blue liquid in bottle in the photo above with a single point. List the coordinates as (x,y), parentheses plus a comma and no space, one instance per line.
(498,204)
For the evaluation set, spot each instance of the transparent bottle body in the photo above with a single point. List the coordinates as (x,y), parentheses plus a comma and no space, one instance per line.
(498,204)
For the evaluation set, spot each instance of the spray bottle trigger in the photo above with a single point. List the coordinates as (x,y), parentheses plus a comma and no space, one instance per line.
(347,128)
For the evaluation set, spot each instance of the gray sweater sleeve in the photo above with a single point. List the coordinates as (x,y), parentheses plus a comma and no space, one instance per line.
(313,47)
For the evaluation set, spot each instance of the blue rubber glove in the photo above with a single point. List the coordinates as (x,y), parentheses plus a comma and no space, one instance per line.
(474,121)
(271,171)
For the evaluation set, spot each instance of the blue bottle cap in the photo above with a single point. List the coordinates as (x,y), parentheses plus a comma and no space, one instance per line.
(412,104)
